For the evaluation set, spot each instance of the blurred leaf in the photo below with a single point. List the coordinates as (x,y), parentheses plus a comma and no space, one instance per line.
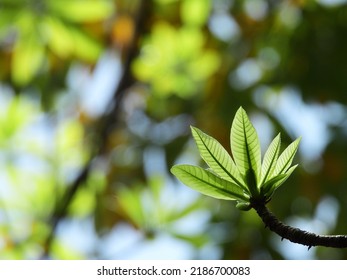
(175,61)
(60,38)
(28,58)
(177,213)
(82,10)
(85,200)
(85,47)
(156,186)
(61,251)
(208,63)
(83,204)
(17,113)
(69,144)
(195,12)
(130,204)
(32,27)
(198,240)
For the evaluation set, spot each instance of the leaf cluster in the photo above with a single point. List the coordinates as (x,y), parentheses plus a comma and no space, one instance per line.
(243,177)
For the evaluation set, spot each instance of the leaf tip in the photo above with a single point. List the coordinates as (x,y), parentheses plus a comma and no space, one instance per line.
(173,169)
(240,110)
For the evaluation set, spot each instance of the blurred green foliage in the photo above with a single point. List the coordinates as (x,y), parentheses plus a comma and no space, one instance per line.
(34,30)
(198,61)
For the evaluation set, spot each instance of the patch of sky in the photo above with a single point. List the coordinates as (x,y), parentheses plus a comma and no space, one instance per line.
(323,221)
(256,9)
(96,90)
(246,74)
(311,121)
(223,26)
(331,3)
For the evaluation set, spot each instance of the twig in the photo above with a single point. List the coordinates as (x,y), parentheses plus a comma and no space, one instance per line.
(297,235)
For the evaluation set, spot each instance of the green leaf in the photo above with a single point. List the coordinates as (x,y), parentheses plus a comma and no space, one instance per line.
(217,157)
(195,12)
(59,37)
(251,182)
(28,58)
(129,201)
(86,47)
(245,144)
(286,158)
(208,183)
(176,213)
(270,159)
(266,189)
(244,206)
(271,186)
(82,10)
(288,173)
(197,240)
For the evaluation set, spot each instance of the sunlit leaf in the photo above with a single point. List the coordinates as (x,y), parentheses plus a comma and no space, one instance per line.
(28,56)
(85,46)
(20,111)
(59,37)
(63,251)
(83,204)
(286,158)
(270,159)
(197,240)
(207,183)
(222,179)
(208,63)
(287,174)
(245,144)
(267,187)
(174,60)
(156,185)
(130,204)
(82,10)
(195,12)
(181,213)
(214,154)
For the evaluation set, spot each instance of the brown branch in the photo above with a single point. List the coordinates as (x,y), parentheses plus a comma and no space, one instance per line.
(104,128)
(297,235)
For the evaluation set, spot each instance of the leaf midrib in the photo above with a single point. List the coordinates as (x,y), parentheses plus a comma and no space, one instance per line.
(212,185)
(284,166)
(223,168)
(246,142)
(273,159)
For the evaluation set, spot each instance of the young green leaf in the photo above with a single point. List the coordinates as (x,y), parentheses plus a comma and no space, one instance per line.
(288,173)
(286,158)
(245,144)
(270,159)
(217,158)
(244,206)
(208,183)
(267,187)
(271,186)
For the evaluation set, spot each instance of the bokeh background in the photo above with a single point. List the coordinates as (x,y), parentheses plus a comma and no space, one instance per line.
(96,100)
